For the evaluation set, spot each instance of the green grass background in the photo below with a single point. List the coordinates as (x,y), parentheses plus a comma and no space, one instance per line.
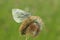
(48,10)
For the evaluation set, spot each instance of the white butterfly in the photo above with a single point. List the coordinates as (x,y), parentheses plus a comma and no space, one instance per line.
(19,15)
(34,21)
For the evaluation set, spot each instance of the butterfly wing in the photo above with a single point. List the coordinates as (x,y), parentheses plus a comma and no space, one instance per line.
(19,15)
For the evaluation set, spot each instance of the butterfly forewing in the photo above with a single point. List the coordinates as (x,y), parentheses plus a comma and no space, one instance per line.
(19,15)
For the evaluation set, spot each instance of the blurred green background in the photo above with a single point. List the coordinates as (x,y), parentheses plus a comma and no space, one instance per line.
(48,10)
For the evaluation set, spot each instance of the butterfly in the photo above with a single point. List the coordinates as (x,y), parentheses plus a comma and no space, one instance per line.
(30,25)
